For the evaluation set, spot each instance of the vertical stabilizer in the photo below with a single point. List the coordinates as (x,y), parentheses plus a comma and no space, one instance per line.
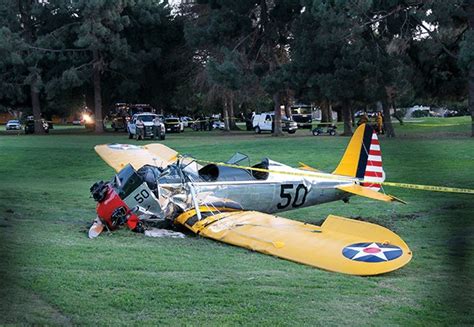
(363,158)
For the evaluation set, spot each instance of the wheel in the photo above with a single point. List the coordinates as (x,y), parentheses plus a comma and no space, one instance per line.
(316,132)
(332,132)
(162,137)
(292,131)
(258,130)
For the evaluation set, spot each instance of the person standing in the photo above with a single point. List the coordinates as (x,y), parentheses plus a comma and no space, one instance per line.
(202,123)
(140,127)
(379,123)
(156,127)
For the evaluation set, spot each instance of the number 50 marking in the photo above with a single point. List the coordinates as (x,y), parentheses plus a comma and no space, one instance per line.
(140,197)
(297,202)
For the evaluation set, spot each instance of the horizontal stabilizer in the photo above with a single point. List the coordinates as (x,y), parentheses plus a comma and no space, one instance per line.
(340,244)
(304,166)
(368,193)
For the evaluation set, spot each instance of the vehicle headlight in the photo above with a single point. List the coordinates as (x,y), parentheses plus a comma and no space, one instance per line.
(87,118)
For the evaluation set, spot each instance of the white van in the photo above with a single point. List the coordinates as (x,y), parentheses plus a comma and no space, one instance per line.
(265,122)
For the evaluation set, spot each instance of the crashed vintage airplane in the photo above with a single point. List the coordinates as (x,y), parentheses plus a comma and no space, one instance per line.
(234,204)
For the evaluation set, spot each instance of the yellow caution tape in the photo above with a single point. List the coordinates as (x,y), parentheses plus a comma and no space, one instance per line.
(329,176)
(437,125)
(292,173)
(430,188)
(314,122)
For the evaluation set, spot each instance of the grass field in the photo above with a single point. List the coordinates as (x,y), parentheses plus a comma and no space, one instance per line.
(52,274)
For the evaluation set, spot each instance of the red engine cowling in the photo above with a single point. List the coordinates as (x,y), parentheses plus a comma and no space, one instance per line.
(106,209)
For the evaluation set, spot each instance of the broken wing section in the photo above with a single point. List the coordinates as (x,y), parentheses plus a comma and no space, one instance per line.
(119,155)
(340,244)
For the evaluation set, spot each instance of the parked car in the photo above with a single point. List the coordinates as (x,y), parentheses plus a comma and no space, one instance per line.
(172,124)
(186,121)
(30,125)
(218,125)
(370,114)
(13,125)
(330,130)
(265,122)
(147,119)
(302,115)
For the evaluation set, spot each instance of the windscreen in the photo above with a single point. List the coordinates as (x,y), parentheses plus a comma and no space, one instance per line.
(147,118)
(237,158)
(126,181)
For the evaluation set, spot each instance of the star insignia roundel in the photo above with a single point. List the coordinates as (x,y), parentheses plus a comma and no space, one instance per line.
(372,252)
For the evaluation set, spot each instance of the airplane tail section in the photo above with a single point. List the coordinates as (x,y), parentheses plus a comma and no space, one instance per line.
(363,158)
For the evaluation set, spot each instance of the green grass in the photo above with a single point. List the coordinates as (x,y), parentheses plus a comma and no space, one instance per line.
(52,274)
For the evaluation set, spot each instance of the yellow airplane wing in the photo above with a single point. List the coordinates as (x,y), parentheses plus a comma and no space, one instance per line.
(368,193)
(119,155)
(340,244)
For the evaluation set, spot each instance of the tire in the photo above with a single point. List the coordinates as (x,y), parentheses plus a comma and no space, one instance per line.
(332,132)
(258,130)
(315,132)
(162,137)
(292,132)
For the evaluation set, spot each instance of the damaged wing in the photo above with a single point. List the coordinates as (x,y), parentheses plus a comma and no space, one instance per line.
(118,156)
(339,244)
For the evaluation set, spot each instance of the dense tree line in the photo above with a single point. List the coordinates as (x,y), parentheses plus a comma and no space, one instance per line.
(236,56)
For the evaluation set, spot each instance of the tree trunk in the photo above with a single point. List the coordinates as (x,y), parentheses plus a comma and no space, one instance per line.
(35,104)
(287,105)
(470,18)
(226,112)
(28,27)
(338,109)
(329,112)
(387,120)
(353,116)
(346,115)
(471,96)
(232,124)
(97,69)
(277,131)
(396,114)
(324,111)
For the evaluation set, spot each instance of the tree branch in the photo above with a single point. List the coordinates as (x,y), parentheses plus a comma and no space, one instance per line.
(56,50)
(436,38)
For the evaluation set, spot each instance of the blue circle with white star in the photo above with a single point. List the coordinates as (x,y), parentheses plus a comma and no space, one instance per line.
(372,252)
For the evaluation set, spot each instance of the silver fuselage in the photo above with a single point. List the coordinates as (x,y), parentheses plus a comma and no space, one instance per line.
(276,193)
(272,196)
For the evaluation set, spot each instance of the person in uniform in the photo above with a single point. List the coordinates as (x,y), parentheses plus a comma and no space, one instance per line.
(156,127)
(140,126)
(379,123)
